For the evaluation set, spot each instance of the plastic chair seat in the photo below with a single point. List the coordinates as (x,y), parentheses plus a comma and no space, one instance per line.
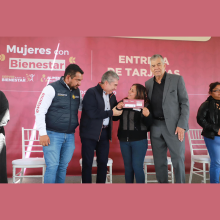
(29,161)
(150,159)
(201,158)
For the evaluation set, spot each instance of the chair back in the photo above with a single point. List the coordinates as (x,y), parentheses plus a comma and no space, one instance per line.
(30,142)
(196,142)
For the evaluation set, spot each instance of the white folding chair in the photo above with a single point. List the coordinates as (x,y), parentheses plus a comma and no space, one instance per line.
(109,166)
(30,144)
(149,161)
(196,143)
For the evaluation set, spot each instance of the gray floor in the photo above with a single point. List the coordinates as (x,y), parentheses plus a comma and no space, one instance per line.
(115,179)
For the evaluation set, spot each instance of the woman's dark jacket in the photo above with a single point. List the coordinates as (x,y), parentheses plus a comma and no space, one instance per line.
(133,124)
(208,117)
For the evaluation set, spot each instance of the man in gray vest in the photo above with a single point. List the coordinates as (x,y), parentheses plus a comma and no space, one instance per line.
(170,108)
(56,119)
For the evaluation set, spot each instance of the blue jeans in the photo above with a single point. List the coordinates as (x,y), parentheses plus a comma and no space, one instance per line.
(133,154)
(57,156)
(213,147)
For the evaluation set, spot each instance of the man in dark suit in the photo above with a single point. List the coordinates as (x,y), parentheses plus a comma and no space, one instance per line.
(170,108)
(96,125)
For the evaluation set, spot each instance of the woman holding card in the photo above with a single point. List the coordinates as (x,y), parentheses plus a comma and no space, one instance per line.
(132,133)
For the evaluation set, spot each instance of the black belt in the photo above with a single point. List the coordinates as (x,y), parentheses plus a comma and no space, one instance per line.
(159,118)
(104,126)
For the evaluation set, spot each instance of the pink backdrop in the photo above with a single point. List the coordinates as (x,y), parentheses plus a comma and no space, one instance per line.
(197,62)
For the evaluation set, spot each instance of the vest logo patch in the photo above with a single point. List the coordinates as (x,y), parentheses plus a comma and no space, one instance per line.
(75,97)
(59,94)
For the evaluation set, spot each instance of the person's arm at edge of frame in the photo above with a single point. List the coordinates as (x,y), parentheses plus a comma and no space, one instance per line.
(3,105)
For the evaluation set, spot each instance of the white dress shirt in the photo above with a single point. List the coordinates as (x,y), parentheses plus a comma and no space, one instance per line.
(107,107)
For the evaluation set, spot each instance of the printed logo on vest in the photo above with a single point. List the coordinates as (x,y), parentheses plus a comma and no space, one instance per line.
(59,94)
(75,97)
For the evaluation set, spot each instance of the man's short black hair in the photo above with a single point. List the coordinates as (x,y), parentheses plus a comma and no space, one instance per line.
(71,70)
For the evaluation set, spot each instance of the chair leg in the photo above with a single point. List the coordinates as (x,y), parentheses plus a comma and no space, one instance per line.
(14,173)
(145,171)
(107,176)
(172,176)
(191,171)
(204,173)
(110,171)
(209,170)
(43,172)
(81,172)
(22,174)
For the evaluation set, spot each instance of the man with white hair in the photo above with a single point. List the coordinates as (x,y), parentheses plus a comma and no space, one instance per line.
(170,109)
(99,105)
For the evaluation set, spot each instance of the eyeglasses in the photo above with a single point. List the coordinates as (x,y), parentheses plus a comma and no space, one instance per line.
(217,90)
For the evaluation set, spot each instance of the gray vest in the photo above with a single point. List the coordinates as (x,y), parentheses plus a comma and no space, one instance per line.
(62,115)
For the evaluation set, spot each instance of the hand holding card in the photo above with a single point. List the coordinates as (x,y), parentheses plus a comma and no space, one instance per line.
(133,103)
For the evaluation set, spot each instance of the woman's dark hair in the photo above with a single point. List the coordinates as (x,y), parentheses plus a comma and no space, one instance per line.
(213,85)
(141,92)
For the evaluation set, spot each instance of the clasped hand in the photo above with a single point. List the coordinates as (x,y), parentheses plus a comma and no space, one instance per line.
(116,112)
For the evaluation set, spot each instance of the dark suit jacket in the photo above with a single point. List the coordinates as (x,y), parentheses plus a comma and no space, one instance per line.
(93,113)
(175,102)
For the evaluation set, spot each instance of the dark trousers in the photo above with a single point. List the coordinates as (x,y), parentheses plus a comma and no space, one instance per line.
(102,150)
